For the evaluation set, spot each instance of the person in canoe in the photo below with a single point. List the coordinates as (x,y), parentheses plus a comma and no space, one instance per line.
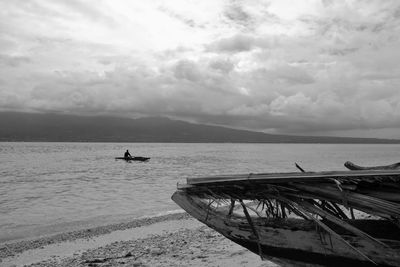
(127,155)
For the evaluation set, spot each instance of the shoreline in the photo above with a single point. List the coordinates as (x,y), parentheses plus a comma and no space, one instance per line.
(10,248)
(168,240)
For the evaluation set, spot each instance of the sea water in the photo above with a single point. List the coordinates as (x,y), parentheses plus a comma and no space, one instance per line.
(47,188)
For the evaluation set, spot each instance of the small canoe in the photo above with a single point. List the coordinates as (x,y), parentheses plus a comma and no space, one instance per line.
(134,158)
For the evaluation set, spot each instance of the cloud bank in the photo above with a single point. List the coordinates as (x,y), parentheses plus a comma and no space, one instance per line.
(315,67)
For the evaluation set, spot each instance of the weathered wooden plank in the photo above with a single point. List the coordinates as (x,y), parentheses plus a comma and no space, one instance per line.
(298,177)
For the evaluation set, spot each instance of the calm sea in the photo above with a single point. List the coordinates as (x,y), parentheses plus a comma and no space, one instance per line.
(51,187)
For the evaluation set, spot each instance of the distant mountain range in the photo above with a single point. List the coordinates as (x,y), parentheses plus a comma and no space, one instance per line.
(70,128)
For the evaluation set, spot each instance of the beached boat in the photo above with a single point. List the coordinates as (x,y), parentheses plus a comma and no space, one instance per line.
(338,218)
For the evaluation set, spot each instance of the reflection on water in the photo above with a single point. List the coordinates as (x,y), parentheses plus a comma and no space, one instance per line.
(50,187)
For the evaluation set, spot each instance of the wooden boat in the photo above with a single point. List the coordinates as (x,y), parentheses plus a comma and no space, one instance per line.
(351,166)
(340,218)
(134,158)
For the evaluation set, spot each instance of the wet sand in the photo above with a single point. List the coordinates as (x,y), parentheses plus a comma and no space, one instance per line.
(170,240)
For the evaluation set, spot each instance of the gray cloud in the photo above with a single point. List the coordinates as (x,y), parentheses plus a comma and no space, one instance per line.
(252,66)
(224,65)
(235,12)
(247,16)
(236,43)
(13,61)
(187,70)
(185,20)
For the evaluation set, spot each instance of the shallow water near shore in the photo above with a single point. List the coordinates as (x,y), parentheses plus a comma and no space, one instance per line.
(47,188)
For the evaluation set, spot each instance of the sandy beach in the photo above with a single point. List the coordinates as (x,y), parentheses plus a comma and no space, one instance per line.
(170,240)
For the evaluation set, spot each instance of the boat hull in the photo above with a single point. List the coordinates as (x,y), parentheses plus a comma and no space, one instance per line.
(291,239)
(354,167)
(134,158)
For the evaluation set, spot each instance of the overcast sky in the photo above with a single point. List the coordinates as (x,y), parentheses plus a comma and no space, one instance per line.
(297,67)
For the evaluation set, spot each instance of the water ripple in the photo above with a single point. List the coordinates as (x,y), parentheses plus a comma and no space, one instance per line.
(49,184)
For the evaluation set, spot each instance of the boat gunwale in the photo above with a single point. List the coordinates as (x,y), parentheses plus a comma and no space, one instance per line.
(292,176)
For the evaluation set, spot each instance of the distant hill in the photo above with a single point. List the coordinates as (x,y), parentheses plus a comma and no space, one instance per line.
(70,128)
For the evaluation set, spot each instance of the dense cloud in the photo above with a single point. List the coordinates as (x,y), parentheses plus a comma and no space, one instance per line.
(319,67)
